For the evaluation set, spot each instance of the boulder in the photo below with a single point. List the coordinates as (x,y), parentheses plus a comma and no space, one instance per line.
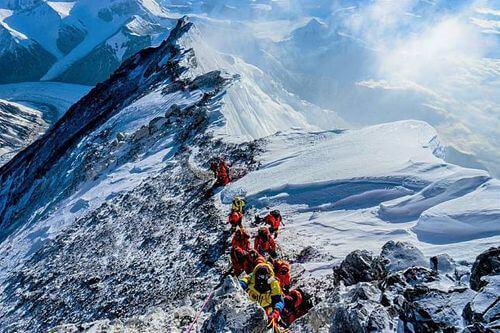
(232,311)
(487,263)
(402,255)
(360,266)
(443,263)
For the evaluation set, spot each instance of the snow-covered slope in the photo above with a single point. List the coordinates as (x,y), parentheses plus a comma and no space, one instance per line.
(344,190)
(142,131)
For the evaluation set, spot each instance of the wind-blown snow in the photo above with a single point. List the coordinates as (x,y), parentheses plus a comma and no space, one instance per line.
(256,105)
(344,190)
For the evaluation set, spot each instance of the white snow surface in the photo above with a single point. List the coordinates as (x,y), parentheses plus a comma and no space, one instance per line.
(336,189)
(62,8)
(256,105)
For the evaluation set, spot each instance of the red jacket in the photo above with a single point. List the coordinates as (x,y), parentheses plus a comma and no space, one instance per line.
(282,273)
(241,240)
(221,172)
(294,307)
(272,221)
(239,260)
(234,218)
(261,245)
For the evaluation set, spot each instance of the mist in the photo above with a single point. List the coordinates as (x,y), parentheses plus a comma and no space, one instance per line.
(379,61)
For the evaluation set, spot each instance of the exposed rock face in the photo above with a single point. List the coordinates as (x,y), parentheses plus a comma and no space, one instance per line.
(148,247)
(19,126)
(412,299)
(483,311)
(487,263)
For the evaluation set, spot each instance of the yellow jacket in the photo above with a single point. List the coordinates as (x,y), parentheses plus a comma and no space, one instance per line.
(273,297)
(238,205)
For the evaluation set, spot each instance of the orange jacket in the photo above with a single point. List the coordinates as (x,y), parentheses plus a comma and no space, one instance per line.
(261,245)
(241,240)
(282,273)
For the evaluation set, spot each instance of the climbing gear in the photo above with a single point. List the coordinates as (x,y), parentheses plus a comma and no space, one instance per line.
(199,311)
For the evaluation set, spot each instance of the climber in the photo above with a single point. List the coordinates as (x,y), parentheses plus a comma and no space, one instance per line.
(221,172)
(235,219)
(240,261)
(273,219)
(241,239)
(282,273)
(263,288)
(238,205)
(255,259)
(264,243)
(296,305)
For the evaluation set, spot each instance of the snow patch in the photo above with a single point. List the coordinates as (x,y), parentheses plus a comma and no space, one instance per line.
(62,8)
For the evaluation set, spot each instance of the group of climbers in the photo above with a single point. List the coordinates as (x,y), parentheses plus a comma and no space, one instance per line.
(266,277)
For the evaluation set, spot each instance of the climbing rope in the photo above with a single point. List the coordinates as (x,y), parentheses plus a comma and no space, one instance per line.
(199,311)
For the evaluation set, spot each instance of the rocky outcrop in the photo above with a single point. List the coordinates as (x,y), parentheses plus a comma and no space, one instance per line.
(360,266)
(402,255)
(487,263)
(389,292)
(232,311)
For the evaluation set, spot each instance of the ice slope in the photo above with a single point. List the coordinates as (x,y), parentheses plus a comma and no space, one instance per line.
(344,190)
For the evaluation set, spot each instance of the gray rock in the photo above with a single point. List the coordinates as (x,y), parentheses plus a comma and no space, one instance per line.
(402,255)
(360,266)
(232,311)
(443,263)
(485,306)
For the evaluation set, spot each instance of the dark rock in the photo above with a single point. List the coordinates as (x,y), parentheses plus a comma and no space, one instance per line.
(361,317)
(487,263)
(360,266)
